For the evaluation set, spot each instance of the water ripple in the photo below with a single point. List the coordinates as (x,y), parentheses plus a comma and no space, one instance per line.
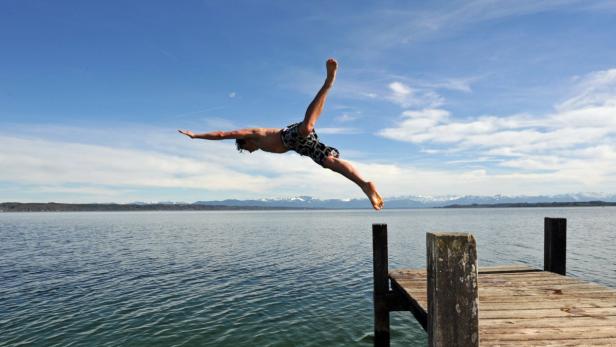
(244,278)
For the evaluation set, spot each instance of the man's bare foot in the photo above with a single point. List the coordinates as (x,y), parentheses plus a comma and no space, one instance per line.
(373,195)
(187,133)
(332,66)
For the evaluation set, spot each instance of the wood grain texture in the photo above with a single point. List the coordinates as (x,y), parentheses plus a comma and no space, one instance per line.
(452,290)
(519,307)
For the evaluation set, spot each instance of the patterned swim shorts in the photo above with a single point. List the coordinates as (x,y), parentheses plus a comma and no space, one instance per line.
(309,145)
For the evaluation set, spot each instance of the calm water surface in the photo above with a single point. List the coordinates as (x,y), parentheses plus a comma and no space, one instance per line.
(275,278)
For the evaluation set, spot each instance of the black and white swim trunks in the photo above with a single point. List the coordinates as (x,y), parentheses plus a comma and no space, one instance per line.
(309,145)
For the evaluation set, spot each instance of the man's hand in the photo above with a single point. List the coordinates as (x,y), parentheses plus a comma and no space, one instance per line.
(187,133)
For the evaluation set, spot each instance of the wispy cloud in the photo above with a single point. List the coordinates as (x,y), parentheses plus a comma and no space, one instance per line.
(209,170)
(595,89)
(378,85)
(579,137)
(457,84)
(408,97)
(387,29)
(345,117)
(211,167)
(340,130)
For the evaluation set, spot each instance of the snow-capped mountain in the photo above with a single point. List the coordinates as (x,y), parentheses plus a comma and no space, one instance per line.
(412,201)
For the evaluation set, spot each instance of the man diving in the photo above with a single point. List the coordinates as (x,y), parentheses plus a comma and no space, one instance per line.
(301,138)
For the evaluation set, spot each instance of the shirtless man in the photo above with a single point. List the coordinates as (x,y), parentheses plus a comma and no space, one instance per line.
(301,138)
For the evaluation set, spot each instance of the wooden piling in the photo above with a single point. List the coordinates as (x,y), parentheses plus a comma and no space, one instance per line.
(381,285)
(453,318)
(555,245)
(521,306)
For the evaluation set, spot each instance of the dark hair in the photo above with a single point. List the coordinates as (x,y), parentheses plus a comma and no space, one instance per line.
(240,144)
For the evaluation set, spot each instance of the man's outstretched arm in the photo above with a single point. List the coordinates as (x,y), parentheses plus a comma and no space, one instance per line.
(219,135)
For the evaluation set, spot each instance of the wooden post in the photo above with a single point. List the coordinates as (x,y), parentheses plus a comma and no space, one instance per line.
(453,318)
(555,245)
(381,285)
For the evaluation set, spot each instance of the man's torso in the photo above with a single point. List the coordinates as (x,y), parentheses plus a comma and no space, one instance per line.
(268,140)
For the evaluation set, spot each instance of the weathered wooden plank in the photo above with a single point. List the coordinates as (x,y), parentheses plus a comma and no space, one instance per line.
(547,322)
(513,303)
(531,288)
(482,270)
(536,298)
(526,276)
(530,283)
(545,277)
(528,334)
(552,343)
(523,302)
(531,299)
(452,290)
(489,277)
(506,268)
(541,313)
(523,305)
(513,284)
(558,289)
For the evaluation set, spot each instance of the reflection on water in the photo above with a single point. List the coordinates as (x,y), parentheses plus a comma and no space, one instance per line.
(246,278)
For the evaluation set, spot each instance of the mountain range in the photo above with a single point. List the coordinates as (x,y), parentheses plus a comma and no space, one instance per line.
(412,201)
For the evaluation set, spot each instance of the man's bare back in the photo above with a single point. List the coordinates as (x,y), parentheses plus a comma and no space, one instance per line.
(301,138)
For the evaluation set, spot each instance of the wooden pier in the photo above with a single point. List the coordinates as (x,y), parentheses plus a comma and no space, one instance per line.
(459,304)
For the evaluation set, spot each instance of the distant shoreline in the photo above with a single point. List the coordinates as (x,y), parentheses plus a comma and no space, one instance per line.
(62,207)
(537,204)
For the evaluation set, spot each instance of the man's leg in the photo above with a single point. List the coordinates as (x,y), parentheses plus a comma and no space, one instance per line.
(316,106)
(349,171)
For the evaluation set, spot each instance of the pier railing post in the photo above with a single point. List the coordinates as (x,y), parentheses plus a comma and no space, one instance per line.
(555,245)
(381,285)
(452,290)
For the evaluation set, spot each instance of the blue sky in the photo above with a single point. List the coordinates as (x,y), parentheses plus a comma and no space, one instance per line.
(432,98)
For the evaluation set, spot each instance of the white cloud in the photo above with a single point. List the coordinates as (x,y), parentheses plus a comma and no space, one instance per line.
(345,117)
(400,89)
(383,29)
(462,85)
(54,162)
(93,172)
(232,94)
(414,126)
(339,130)
(583,119)
(406,96)
(558,142)
(370,85)
(454,84)
(594,90)
(571,149)
(399,180)
(173,163)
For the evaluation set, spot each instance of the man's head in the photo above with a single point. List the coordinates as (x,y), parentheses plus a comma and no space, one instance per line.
(244,145)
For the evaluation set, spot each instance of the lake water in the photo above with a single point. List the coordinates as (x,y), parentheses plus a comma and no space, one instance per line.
(246,278)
